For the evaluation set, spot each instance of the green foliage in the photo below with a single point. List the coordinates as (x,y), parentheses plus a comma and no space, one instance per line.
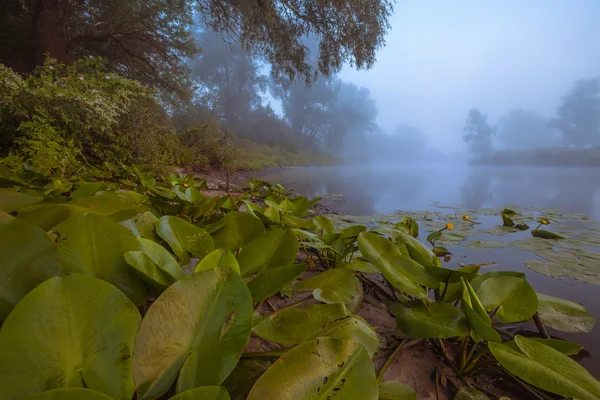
(60,118)
(81,253)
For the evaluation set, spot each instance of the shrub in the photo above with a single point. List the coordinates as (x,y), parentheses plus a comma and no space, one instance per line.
(60,117)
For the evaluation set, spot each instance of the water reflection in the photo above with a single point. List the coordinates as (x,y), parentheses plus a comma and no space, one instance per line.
(387,188)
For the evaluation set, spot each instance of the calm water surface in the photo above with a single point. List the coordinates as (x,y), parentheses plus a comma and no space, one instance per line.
(383,189)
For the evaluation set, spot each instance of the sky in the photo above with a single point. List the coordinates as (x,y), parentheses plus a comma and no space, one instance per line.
(443,57)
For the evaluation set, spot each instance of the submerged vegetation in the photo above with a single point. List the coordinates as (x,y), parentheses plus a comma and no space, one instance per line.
(122,284)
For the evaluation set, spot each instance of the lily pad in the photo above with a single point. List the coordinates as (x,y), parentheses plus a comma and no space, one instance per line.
(564,315)
(516,299)
(69,394)
(394,390)
(547,368)
(80,333)
(271,281)
(331,367)
(184,238)
(469,393)
(533,244)
(277,248)
(28,256)
(438,320)
(336,285)
(298,325)
(239,229)
(484,245)
(218,258)
(204,393)
(206,316)
(11,200)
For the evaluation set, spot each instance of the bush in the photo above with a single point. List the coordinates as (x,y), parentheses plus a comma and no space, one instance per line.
(62,117)
(206,145)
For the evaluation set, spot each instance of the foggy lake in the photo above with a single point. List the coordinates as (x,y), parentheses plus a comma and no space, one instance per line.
(384,189)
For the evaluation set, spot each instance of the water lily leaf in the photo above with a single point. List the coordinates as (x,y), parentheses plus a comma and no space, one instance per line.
(455,289)
(484,245)
(184,238)
(239,229)
(352,231)
(498,230)
(515,297)
(479,279)
(46,216)
(162,258)
(414,247)
(545,234)
(271,281)
(321,223)
(393,390)
(469,393)
(218,258)
(80,333)
(298,325)
(204,393)
(11,200)
(533,244)
(360,266)
(453,275)
(506,220)
(564,315)
(108,204)
(330,367)
(477,318)
(94,245)
(411,224)
(433,236)
(142,225)
(276,248)
(273,215)
(69,394)
(28,256)
(546,368)
(439,320)
(336,285)
(386,257)
(149,271)
(88,189)
(565,347)
(440,251)
(206,316)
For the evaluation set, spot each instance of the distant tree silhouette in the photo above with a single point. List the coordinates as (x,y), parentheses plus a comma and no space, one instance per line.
(479,133)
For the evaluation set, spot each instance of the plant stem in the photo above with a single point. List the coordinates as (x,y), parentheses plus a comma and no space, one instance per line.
(296,304)
(388,362)
(540,326)
(447,284)
(376,287)
(437,384)
(494,312)
(463,352)
(510,335)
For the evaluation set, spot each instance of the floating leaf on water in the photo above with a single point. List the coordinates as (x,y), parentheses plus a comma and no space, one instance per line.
(564,315)
(541,233)
(297,325)
(484,245)
(440,251)
(498,230)
(549,268)
(331,367)
(394,390)
(506,220)
(547,368)
(532,244)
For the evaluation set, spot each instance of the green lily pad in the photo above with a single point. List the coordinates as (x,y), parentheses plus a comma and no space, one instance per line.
(184,238)
(564,315)
(239,229)
(547,368)
(360,266)
(94,245)
(477,318)
(142,225)
(484,245)
(206,316)
(298,325)
(469,393)
(69,394)
(276,248)
(438,320)
(516,299)
(336,285)
(80,333)
(271,281)
(565,347)
(28,256)
(393,390)
(546,234)
(533,244)
(218,258)
(11,200)
(330,367)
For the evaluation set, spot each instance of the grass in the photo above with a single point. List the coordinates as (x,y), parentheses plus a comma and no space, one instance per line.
(254,156)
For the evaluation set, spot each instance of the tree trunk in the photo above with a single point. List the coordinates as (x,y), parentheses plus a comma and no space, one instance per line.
(49,27)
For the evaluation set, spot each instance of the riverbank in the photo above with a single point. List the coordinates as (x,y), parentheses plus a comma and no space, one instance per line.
(550,157)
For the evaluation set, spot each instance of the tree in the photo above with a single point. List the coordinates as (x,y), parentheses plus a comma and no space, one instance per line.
(479,133)
(579,114)
(143,40)
(524,129)
(230,77)
(149,40)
